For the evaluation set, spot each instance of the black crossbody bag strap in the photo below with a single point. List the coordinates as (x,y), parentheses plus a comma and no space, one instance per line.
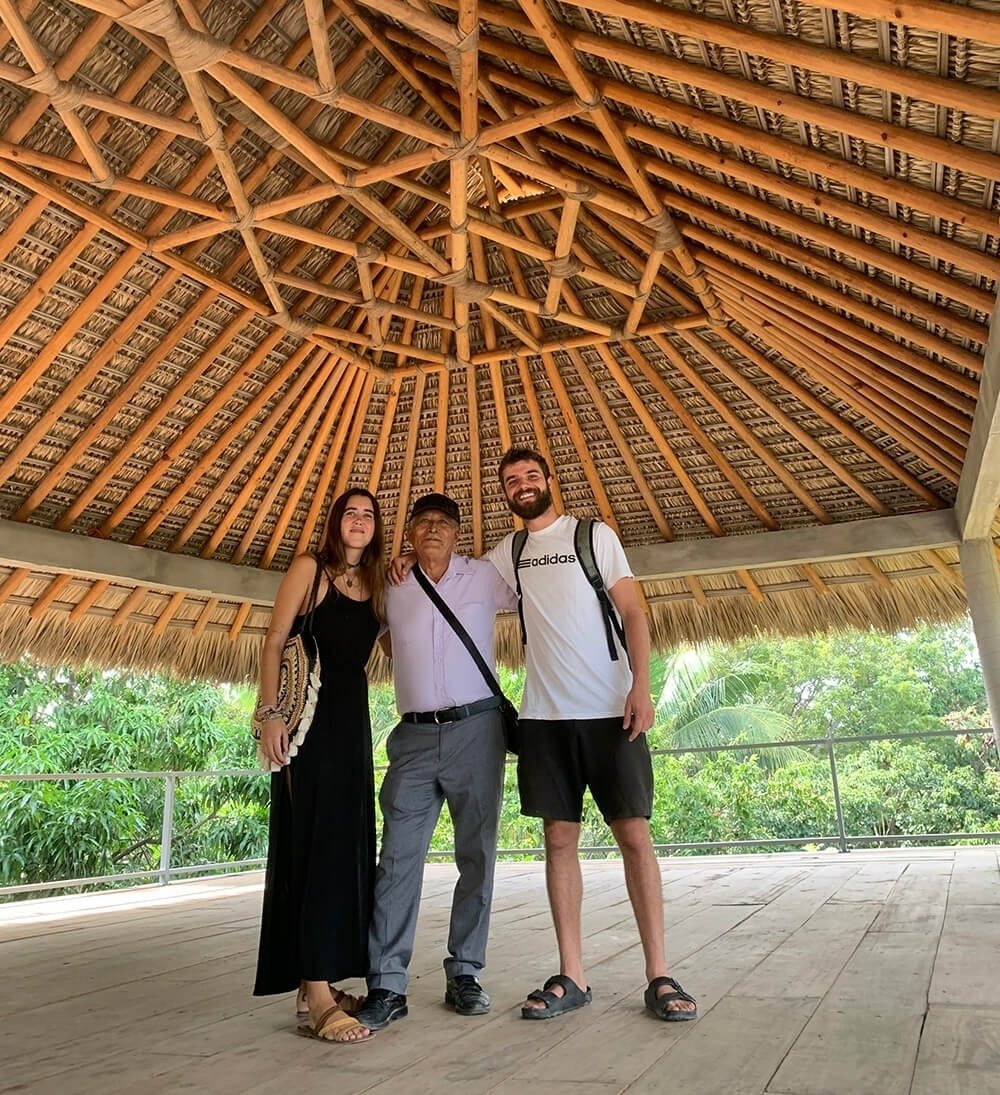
(460,631)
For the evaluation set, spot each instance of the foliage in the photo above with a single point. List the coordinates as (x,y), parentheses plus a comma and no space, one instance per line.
(706,698)
(851,685)
(56,721)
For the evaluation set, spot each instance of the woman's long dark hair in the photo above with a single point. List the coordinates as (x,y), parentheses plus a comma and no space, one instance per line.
(372,562)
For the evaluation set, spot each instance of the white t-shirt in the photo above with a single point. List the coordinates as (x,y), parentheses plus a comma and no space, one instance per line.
(570,674)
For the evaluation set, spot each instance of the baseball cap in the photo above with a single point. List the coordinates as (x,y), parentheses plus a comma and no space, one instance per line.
(440,502)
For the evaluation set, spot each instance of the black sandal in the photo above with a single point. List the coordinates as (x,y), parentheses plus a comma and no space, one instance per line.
(660,1005)
(574,998)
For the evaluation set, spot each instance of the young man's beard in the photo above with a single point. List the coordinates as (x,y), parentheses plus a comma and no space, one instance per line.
(531,507)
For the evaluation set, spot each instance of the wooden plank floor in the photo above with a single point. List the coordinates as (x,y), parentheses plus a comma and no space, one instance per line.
(871,972)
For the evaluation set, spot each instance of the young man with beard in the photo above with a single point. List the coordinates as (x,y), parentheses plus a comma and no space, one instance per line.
(583,723)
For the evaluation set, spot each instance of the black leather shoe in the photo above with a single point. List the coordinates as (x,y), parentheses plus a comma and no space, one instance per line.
(382,1007)
(466,995)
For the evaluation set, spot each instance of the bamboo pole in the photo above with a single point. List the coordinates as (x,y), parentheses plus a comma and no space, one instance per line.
(388,420)
(406,479)
(347,449)
(426,90)
(121,399)
(441,434)
(833,298)
(960,213)
(302,434)
(878,411)
(620,442)
(289,438)
(711,80)
(933,15)
(763,452)
(220,445)
(794,50)
(821,410)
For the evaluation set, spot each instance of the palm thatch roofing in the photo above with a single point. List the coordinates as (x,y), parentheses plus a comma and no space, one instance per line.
(729,264)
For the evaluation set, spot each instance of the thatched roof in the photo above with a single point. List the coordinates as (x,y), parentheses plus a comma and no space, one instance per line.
(731,269)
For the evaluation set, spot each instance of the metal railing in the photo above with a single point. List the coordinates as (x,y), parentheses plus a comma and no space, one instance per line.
(166,871)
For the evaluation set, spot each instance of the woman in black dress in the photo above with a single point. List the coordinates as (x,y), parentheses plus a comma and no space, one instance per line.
(321,849)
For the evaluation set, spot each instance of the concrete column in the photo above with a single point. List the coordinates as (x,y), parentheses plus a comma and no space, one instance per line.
(982,586)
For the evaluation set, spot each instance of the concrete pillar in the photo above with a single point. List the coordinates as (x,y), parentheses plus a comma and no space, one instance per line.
(982,586)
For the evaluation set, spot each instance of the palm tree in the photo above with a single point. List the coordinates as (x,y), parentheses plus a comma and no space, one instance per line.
(705,697)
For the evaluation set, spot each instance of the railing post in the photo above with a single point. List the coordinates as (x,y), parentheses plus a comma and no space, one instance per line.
(841,831)
(167,833)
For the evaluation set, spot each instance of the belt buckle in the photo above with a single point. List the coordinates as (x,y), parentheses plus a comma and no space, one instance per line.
(437,720)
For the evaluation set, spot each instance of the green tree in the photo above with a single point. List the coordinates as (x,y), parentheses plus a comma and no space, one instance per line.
(706,697)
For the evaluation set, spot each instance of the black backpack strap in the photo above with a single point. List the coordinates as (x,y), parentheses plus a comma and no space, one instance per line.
(583,542)
(459,630)
(516,551)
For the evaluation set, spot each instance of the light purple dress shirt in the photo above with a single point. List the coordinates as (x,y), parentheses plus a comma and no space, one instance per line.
(431,668)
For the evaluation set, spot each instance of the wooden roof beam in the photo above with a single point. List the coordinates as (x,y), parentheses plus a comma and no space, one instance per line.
(905,235)
(264,448)
(305,440)
(124,185)
(935,247)
(426,90)
(908,390)
(779,101)
(738,135)
(934,15)
(222,443)
(871,537)
(834,298)
(694,377)
(979,488)
(406,480)
(874,346)
(107,104)
(822,411)
(60,94)
(557,43)
(792,50)
(933,317)
(32,548)
(870,402)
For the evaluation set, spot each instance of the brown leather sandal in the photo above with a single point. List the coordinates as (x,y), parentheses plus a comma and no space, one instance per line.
(333,1026)
(349,1003)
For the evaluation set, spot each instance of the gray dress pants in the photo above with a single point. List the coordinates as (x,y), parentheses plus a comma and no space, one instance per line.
(461,763)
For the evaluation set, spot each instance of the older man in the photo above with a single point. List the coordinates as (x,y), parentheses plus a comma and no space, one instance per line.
(447,747)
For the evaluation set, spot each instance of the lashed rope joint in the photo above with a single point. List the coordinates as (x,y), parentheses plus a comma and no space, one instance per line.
(191,50)
(246,222)
(453,51)
(330,96)
(462,150)
(667,237)
(64,97)
(566,267)
(582,192)
(293,324)
(376,308)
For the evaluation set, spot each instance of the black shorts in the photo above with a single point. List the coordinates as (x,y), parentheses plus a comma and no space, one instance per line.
(559,759)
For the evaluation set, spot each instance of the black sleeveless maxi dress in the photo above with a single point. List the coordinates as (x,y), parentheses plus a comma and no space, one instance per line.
(321,848)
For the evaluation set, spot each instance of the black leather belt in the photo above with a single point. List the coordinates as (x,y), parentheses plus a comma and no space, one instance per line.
(453,714)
